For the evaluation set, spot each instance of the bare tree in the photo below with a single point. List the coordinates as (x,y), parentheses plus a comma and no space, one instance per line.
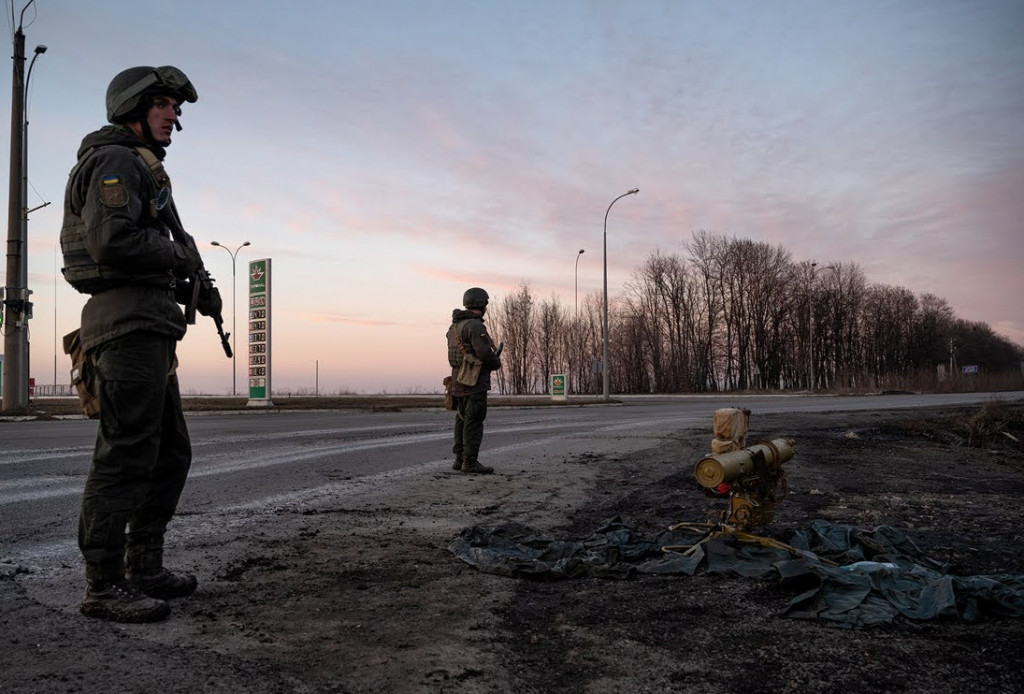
(591,343)
(934,332)
(843,291)
(767,274)
(631,370)
(706,325)
(513,322)
(551,341)
(799,369)
(664,295)
(642,301)
(738,314)
(888,318)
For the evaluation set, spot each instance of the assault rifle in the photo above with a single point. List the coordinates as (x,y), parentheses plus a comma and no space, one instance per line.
(202,282)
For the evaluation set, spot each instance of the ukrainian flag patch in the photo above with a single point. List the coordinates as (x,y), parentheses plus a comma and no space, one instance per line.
(112,191)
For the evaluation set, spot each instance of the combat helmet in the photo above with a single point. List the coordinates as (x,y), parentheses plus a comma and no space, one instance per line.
(475,297)
(125,92)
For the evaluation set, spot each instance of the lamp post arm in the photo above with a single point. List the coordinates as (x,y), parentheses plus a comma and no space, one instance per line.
(234,304)
(604,316)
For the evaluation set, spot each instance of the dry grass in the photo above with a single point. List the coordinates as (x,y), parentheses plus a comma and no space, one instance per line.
(995,423)
(992,420)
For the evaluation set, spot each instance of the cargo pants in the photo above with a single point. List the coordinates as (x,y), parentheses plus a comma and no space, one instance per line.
(141,459)
(470,413)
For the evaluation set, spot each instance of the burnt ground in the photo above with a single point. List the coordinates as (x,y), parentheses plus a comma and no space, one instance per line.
(356,592)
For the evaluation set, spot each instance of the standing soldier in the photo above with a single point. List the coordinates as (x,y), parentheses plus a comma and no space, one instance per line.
(468,340)
(123,246)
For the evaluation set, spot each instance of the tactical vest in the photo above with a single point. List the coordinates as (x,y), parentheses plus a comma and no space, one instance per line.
(80,270)
(456,347)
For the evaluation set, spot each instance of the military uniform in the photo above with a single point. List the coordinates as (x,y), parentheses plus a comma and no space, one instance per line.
(468,334)
(129,330)
(118,251)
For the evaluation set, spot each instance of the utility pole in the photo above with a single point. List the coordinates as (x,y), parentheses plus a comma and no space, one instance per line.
(17,308)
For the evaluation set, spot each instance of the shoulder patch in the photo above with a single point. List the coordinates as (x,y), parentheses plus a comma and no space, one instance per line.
(112,191)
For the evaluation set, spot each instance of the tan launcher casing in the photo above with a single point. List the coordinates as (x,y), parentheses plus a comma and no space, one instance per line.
(752,475)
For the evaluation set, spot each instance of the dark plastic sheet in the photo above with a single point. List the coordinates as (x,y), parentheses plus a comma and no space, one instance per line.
(845,575)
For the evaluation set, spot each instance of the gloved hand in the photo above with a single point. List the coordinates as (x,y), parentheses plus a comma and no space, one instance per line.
(186,261)
(183,292)
(209,303)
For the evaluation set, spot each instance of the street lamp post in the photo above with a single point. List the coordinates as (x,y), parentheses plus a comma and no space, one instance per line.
(55,343)
(38,51)
(604,317)
(234,335)
(576,296)
(576,341)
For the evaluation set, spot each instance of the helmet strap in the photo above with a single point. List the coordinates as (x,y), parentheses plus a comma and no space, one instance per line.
(147,134)
(145,104)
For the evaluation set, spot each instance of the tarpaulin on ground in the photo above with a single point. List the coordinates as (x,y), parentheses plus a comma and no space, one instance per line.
(848,576)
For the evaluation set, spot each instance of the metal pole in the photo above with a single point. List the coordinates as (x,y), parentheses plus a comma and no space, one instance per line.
(604,317)
(23,281)
(577,286)
(234,329)
(15,382)
(234,333)
(834,269)
(810,305)
(576,318)
(55,343)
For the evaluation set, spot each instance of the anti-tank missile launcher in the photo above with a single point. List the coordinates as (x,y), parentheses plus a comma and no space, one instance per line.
(750,478)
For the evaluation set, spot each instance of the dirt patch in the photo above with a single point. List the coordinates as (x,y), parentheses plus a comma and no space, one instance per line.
(357,593)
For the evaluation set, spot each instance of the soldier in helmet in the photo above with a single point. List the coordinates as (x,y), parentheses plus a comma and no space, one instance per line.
(119,250)
(467,337)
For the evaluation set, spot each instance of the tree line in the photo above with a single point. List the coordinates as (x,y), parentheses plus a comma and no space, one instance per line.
(734,315)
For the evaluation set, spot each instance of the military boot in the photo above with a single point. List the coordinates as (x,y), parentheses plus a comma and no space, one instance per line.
(457,465)
(475,468)
(163,584)
(120,601)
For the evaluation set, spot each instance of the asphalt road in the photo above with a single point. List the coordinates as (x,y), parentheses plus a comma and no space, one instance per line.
(248,460)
